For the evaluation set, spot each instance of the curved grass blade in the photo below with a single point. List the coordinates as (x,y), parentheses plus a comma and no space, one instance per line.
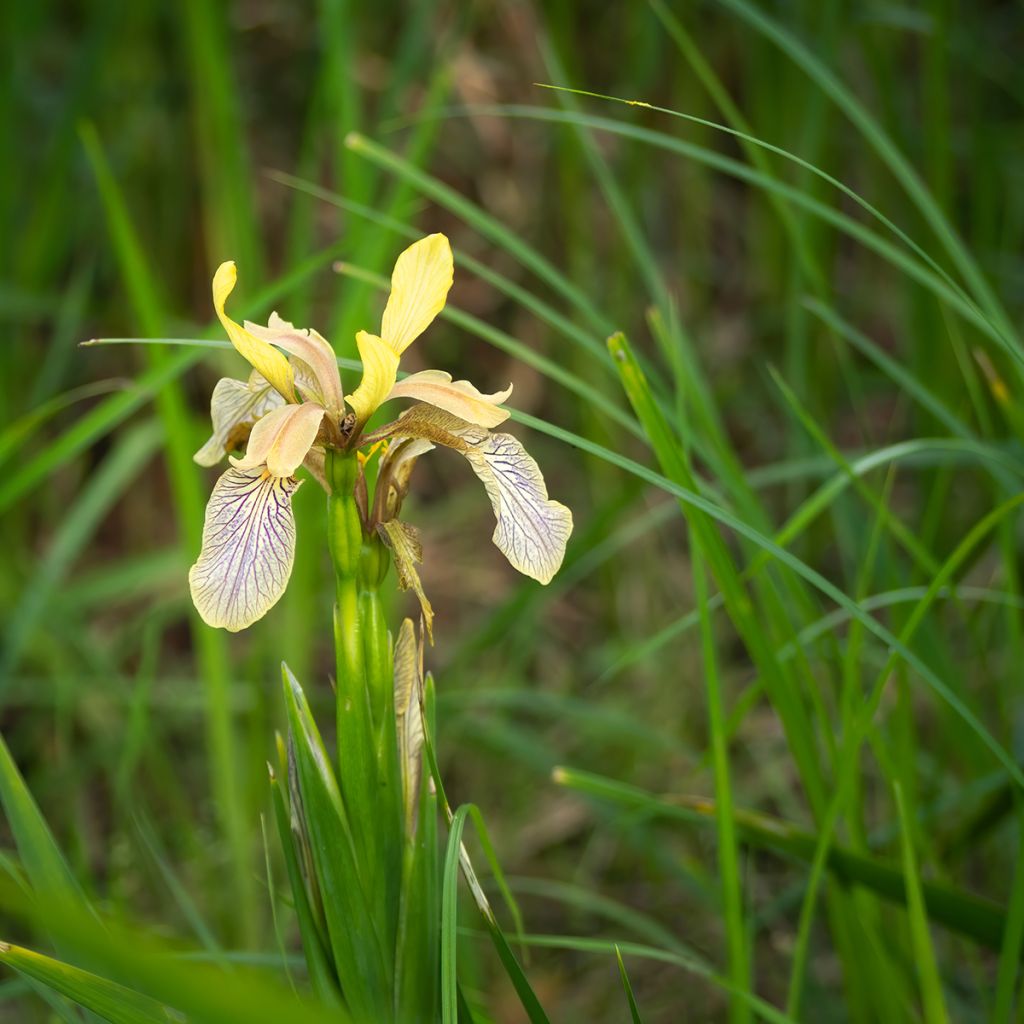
(889,153)
(113,1002)
(799,198)
(651,417)
(491,228)
(449,918)
(976,918)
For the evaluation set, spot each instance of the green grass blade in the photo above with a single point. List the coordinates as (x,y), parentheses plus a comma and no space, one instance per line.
(111,480)
(1013,938)
(728,860)
(924,952)
(113,1002)
(489,227)
(893,254)
(634,1010)
(886,149)
(450,918)
(358,951)
(786,558)
(978,919)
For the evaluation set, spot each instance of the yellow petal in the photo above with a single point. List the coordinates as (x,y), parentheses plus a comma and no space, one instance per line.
(315,364)
(419,288)
(380,365)
(248,549)
(281,440)
(260,355)
(459,397)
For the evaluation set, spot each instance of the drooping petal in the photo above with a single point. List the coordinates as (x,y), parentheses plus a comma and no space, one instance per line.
(235,408)
(313,360)
(281,440)
(419,287)
(380,367)
(393,479)
(459,397)
(403,541)
(409,729)
(248,548)
(260,354)
(532,530)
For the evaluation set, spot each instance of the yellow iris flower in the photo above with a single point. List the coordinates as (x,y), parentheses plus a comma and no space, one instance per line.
(292,408)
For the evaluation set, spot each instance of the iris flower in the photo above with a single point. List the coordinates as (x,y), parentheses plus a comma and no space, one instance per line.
(292,409)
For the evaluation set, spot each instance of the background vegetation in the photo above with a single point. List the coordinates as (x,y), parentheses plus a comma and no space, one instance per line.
(790,615)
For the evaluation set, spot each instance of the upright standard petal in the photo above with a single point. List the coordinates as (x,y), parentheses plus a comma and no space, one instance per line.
(459,397)
(260,354)
(532,530)
(236,406)
(380,367)
(248,548)
(419,287)
(281,440)
(313,359)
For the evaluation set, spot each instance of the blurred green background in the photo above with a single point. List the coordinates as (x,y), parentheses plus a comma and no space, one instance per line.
(794,341)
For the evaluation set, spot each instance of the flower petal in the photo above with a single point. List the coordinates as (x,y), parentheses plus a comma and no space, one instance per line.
(261,355)
(235,406)
(459,397)
(419,287)
(393,479)
(282,438)
(380,366)
(532,531)
(403,541)
(248,548)
(314,361)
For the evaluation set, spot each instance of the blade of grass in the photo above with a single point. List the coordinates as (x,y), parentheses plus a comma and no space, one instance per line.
(114,1002)
(888,152)
(924,952)
(634,1010)
(978,919)
(1013,938)
(232,797)
(728,860)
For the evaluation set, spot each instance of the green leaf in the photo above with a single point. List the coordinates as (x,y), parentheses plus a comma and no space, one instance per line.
(352,925)
(634,1010)
(924,952)
(113,1002)
(976,918)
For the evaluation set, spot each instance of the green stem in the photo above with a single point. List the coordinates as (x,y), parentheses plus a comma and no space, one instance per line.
(364,705)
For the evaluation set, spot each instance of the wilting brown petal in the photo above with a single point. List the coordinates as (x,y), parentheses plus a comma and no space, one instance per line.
(407,552)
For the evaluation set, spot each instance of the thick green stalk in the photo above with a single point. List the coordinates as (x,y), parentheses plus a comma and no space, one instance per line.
(367,763)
